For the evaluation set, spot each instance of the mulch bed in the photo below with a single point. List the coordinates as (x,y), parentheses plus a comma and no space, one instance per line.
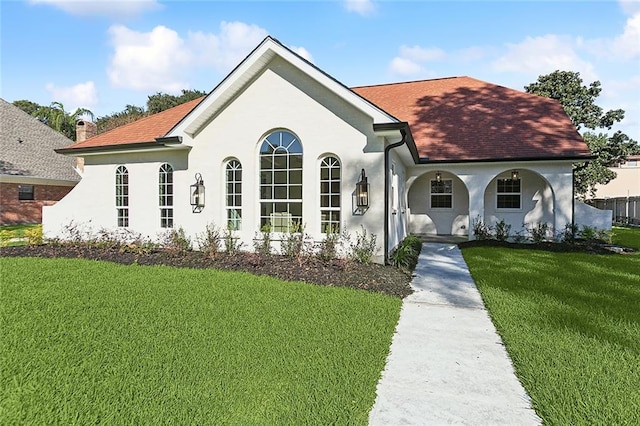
(376,278)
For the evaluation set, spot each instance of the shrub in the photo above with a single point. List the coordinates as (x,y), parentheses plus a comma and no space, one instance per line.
(34,235)
(209,240)
(569,233)
(538,232)
(588,233)
(262,243)
(328,247)
(5,237)
(518,237)
(231,243)
(605,236)
(292,244)
(363,249)
(503,230)
(481,231)
(176,242)
(406,254)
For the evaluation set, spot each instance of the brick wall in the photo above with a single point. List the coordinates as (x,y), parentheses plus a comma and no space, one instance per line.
(14,211)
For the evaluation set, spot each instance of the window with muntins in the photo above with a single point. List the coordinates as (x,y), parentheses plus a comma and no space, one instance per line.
(509,194)
(165,190)
(122,196)
(25,193)
(330,195)
(234,195)
(281,182)
(442,194)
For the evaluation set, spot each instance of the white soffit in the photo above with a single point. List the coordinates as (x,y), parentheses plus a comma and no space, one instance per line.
(253,65)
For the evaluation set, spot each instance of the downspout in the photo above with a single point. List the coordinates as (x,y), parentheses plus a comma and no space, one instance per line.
(387,149)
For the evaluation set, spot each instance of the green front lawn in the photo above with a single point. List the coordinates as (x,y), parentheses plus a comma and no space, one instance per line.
(86,342)
(571,324)
(627,237)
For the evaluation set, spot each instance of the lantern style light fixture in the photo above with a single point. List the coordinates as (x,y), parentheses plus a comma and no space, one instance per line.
(362,191)
(438,177)
(197,194)
(515,175)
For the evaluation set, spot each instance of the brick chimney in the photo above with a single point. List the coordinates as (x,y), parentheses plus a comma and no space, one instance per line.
(84,130)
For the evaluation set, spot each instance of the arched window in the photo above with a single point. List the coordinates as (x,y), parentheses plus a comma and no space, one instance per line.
(330,195)
(281,182)
(122,196)
(165,191)
(234,195)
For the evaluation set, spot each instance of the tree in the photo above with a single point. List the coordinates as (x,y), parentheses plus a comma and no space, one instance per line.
(130,114)
(579,102)
(58,119)
(162,101)
(27,106)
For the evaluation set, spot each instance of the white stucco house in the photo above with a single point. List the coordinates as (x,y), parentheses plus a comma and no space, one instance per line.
(279,141)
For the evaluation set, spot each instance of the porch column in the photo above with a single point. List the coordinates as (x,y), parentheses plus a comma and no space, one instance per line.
(476,185)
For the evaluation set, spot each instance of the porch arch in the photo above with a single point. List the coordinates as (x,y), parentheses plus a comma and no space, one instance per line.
(537,202)
(428,219)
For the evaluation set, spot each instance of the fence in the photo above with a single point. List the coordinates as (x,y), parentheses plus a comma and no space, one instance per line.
(625,210)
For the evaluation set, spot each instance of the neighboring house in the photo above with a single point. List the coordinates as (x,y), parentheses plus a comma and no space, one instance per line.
(622,194)
(280,142)
(32,175)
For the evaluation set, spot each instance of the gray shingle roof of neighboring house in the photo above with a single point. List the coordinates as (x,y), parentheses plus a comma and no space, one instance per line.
(26,147)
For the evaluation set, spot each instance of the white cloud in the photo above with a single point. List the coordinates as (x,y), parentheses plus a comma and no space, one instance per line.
(542,55)
(404,66)
(411,59)
(627,45)
(114,9)
(630,7)
(82,95)
(148,61)
(302,52)
(163,60)
(361,7)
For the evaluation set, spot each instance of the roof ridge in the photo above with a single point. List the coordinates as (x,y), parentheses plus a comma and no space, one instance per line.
(396,83)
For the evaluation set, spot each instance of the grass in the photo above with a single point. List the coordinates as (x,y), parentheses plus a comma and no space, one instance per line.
(9,232)
(86,342)
(571,324)
(627,237)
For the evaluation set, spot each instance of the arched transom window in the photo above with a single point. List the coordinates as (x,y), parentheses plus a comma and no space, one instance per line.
(165,191)
(281,182)
(330,195)
(234,194)
(122,196)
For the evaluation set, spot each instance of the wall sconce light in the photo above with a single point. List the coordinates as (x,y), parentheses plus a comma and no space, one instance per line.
(515,175)
(362,192)
(197,194)
(438,177)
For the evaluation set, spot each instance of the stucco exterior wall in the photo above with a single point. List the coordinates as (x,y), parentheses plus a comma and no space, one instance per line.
(323,123)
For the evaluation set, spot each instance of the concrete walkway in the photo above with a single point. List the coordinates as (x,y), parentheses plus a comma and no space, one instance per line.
(447,364)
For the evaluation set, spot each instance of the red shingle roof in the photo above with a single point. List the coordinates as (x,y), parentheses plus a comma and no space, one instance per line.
(451,119)
(461,118)
(144,130)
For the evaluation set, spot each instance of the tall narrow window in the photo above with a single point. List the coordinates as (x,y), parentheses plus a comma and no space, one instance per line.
(122,196)
(441,194)
(281,182)
(330,195)
(508,194)
(165,181)
(234,195)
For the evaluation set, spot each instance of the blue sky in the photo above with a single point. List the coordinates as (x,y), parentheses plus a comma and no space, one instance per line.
(105,55)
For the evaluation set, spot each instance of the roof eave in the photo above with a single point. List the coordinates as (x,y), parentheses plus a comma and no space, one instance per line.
(160,144)
(425,160)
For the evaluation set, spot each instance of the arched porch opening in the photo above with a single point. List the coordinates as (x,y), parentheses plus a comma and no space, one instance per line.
(438,205)
(522,198)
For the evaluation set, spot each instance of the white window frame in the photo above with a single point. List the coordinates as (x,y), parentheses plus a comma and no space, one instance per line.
(165,193)
(431,194)
(122,197)
(277,147)
(505,193)
(330,194)
(233,194)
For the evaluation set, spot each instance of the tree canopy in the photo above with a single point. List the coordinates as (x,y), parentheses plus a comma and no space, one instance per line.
(579,102)
(157,102)
(55,116)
